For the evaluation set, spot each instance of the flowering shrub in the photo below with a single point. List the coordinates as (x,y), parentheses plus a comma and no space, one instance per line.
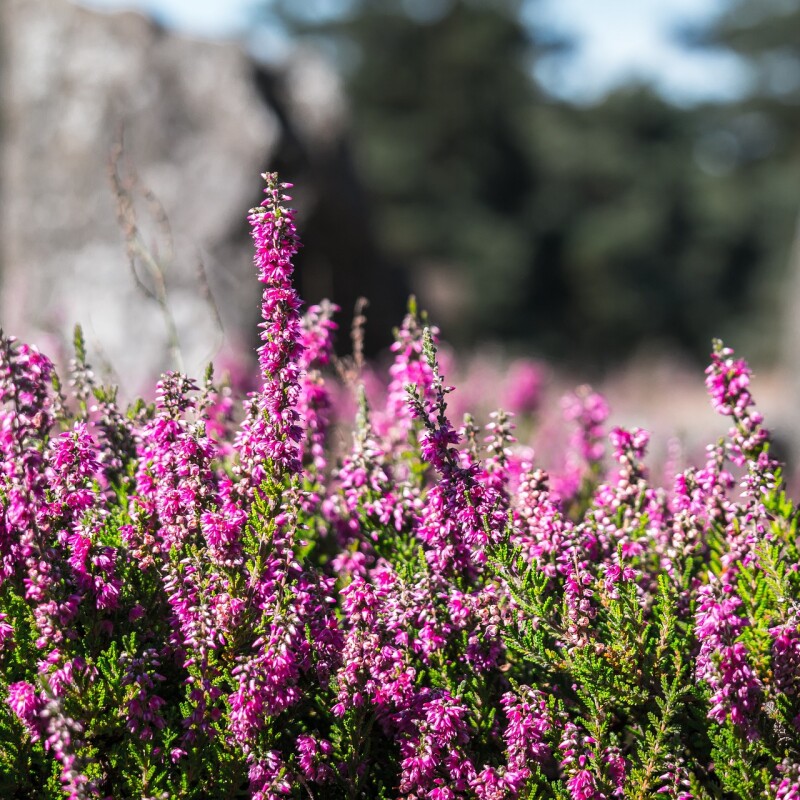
(197,609)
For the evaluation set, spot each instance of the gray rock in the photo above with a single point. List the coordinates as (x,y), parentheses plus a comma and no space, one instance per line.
(195,131)
(201,122)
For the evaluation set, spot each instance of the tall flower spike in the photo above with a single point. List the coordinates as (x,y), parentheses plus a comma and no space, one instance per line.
(410,367)
(723,662)
(314,401)
(272,433)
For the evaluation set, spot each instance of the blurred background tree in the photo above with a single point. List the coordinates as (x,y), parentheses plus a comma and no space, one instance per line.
(585,231)
(441,97)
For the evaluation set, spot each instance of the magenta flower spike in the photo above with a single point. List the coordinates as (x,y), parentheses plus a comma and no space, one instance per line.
(273,432)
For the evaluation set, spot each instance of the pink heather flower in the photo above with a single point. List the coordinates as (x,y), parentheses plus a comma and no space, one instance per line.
(63,563)
(174,473)
(580,610)
(143,705)
(312,753)
(25,383)
(63,738)
(576,762)
(498,784)
(368,489)
(268,777)
(318,329)
(786,659)
(62,674)
(44,719)
(615,574)
(222,527)
(410,368)
(704,493)
(77,511)
(6,631)
(433,758)
(675,783)
(589,410)
(267,683)
(496,467)
(461,514)
(26,417)
(523,387)
(728,382)
(298,637)
(528,724)
(723,661)
(748,445)
(787,785)
(314,401)
(582,786)
(180,497)
(272,432)
(28,706)
(375,664)
(617,769)
(540,529)
(629,446)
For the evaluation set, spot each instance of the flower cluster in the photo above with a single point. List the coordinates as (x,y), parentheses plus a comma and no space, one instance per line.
(265,598)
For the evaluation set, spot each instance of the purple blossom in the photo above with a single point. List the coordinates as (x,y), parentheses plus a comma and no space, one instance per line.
(675,783)
(312,754)
(728,382)
(461,514)
(786,659)
(582,786)
(369,497)
(314,401)
(43,717)
(540,528)
(434,764)
(577,762)
(787,785)
(26,417)
(579,606)
(63,738)
(410,368)
(614,574)
(723,661)
(297,636)
(268,778)
(589,411)
(528,725)
(77,512)
(174,474)
(6,632)
(272,433)
(28,706)
(629,446)
(524,384)
(143,704)
(375,665)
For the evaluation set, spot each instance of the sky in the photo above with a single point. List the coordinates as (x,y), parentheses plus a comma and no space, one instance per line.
(616,40)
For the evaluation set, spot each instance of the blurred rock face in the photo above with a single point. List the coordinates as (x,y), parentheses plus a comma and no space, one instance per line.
(200,123)
(194,130)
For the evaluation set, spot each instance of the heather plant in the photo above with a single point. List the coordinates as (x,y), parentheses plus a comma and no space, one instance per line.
(278,602)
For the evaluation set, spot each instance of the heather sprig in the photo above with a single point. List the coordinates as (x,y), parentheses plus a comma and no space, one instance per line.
(270,437)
